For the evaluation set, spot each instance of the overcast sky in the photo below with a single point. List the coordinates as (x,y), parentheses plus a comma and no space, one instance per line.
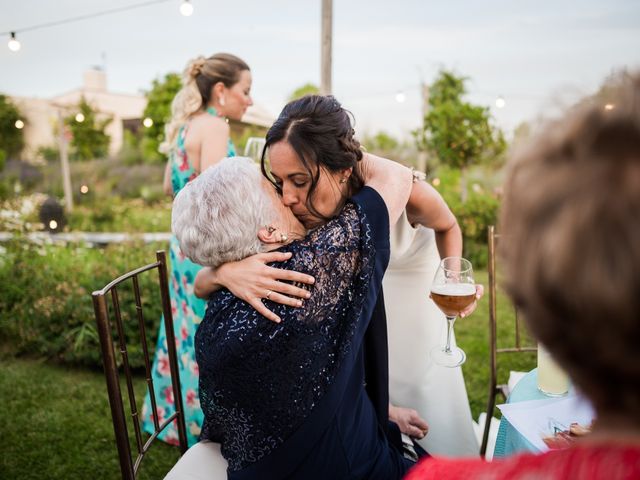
(537,55)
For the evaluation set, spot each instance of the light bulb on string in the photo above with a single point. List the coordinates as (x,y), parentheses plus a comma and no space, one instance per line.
(500,102)
(609,106)
(401,97)
(14,44)
(19,124)
(147,122)
(79,117)
(186,9)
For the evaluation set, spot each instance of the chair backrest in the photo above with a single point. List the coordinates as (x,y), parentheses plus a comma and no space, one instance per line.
(128,465)
(494,351)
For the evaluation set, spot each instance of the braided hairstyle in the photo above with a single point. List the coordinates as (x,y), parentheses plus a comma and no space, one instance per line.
(320,132)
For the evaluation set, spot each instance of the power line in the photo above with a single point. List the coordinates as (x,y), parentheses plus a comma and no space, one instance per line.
(84,17)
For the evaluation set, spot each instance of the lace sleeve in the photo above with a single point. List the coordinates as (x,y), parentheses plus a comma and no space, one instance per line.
(333,255)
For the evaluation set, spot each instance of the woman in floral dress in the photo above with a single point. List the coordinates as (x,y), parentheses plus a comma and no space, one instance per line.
(197,137)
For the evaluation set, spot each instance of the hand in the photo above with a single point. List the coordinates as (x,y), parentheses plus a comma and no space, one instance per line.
(409,421)
(252,280)
(469,310)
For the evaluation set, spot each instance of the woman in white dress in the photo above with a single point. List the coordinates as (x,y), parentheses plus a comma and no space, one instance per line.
(416,325)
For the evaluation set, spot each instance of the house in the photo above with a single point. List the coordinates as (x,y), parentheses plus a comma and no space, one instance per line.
(125,111)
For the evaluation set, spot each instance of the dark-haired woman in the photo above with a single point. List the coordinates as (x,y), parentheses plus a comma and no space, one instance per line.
(313,139)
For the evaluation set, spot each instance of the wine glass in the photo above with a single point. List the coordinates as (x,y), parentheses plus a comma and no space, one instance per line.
(253,148)
(453,290)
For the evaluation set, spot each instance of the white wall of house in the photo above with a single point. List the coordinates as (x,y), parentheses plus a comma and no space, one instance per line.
(41,114)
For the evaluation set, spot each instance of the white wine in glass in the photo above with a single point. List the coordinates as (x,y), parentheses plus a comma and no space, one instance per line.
(453,290)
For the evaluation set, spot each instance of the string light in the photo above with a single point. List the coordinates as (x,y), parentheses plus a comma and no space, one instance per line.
(186,8)
(401,97)
(147,122)
(79,117)
(500,102)
(19,124)
(14,44)
(53,225)
(84,189)
(609,106)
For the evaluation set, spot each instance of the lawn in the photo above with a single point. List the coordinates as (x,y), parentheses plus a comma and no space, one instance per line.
(55,421)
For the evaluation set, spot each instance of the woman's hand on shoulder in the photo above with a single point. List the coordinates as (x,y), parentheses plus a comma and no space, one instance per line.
(252,280)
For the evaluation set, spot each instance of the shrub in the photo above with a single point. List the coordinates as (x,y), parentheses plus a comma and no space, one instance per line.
(474,215)
(55,319)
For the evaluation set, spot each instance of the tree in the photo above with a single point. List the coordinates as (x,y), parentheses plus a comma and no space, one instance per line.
(89,139)
(458,133)
(306,89)
(11,138)
(158,109)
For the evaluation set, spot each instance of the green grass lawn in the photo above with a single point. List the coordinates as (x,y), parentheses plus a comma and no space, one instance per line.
(55,421)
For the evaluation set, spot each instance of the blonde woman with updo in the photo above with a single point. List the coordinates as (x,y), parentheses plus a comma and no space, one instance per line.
(214,90)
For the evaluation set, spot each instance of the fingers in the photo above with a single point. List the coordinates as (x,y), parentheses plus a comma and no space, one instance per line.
(284,299)
(415,432)
(289,290)
(419,423)
(281,274)
(264,311)
(470,309)
(290,275)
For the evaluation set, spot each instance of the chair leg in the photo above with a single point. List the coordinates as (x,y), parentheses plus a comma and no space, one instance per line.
(487,422)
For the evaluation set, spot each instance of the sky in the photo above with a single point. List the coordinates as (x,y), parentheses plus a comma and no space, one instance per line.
(539,56)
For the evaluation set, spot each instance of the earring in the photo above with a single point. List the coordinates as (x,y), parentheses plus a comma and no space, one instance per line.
(222,102)
(271,229)
(344,180)
(284,237)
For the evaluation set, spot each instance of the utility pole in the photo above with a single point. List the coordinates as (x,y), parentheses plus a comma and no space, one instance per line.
(422,155)
(64,161)
(326,40)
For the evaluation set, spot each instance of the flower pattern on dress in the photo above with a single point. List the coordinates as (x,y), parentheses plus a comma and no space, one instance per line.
(187,311)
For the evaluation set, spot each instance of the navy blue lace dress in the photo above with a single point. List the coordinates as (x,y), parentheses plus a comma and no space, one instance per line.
(288,400)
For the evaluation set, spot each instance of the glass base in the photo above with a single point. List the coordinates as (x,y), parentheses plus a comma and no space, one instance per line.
(454,358)
(552,394)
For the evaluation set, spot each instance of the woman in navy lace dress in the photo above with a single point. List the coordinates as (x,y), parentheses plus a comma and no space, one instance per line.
(288,399)
(312,141)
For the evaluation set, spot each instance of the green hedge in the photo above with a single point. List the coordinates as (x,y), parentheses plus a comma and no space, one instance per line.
(475,215)
(45,298)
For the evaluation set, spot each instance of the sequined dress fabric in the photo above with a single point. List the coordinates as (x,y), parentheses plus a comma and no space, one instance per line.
(260,380)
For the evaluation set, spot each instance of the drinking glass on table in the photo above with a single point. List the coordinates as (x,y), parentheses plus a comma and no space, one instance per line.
(453,290)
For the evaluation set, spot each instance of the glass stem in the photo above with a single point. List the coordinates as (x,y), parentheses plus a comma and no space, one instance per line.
(450,321)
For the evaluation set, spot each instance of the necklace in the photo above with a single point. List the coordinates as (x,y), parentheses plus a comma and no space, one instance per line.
(212,111)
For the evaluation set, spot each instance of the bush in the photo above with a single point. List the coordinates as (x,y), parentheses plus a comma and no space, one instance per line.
(474,216)
(55,319)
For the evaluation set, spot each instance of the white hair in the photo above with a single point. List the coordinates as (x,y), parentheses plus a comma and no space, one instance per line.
(216,216)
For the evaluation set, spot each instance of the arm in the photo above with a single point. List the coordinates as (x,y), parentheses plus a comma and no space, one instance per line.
(391,180)
(166,181)
(427,207)
(250,279)
(213,147)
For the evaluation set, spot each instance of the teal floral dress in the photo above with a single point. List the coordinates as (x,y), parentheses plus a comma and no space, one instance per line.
(187,311)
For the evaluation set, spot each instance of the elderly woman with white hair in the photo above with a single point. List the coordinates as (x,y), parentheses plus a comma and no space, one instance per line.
(288,399)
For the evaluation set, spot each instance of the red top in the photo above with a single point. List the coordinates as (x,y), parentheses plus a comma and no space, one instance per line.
(580,462)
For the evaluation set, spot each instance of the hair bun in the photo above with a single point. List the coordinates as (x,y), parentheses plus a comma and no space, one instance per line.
(194,67)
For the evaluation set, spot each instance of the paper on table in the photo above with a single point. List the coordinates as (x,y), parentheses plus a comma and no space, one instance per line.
(536,419)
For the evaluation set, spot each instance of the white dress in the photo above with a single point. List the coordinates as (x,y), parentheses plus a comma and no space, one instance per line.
(415,326)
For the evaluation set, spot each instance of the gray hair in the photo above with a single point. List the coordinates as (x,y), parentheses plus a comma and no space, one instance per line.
(216,216)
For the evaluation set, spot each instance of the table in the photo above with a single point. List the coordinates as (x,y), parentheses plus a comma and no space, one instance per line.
(509,441)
